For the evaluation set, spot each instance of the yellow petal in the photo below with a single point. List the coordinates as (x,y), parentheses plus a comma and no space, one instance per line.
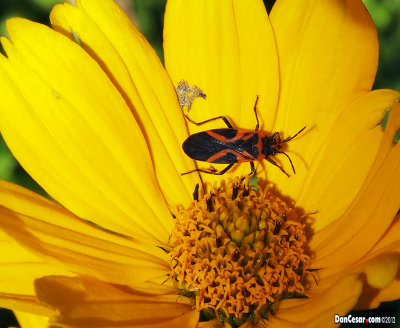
(75,244)
(19,267)
(390,242)
(328,55)
(334,179)
(385,249)
(381,271)
(373,297)
(75,134)
(333,296)
(209,324)
(27,320)
(227,49)
(87,302)
(108,35)
(24,303)
(366,220)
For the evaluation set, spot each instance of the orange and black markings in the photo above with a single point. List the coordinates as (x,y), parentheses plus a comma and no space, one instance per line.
(231,146)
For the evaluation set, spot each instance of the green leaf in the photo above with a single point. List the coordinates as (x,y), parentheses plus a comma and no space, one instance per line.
(385,118)
(253,181)
(397,136)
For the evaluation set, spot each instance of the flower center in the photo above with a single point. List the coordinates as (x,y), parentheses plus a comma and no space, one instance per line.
(238,251)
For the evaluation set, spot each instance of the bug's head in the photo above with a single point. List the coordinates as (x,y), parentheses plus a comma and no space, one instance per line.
(276,144)
(272,145)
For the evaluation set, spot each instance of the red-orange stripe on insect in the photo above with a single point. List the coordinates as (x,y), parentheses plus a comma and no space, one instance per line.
(241,135)
(239,157)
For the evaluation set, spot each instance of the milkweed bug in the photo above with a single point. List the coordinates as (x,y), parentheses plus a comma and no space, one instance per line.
(231,146)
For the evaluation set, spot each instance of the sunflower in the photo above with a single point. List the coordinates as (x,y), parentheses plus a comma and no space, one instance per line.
(91,113)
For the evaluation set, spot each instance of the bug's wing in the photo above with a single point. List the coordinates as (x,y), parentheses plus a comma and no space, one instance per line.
(202,146)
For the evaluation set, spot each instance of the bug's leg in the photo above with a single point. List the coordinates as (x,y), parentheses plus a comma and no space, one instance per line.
(211,119)
(196,192)
(276,164)
(253,168)
(255,112)
(197,170)
(226,169)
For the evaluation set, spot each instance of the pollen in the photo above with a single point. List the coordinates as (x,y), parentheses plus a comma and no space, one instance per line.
(237,251)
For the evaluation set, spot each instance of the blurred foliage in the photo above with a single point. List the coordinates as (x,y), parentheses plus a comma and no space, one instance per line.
(148,15)
(37,10)
(386,15)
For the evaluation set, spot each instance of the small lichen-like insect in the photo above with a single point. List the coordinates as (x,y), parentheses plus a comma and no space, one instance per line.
(187,94)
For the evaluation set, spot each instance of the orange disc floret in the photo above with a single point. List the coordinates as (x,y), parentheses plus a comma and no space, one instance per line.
(239,250)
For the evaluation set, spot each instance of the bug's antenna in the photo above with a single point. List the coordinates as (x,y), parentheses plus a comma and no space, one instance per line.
(290,138)
(294,171)
(277,165)
(283,170)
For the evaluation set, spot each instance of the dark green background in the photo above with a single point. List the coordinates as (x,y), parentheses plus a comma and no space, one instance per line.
(148,15)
